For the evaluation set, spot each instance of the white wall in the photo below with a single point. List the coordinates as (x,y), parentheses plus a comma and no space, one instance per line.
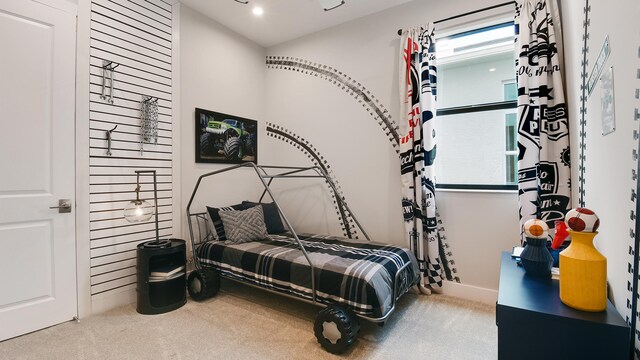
(224,72)
(138,37)
(609,160)
(478,225)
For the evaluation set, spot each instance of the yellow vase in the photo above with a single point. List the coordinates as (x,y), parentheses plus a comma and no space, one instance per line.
(583,274)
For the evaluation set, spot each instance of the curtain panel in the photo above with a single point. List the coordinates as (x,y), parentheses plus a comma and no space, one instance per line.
(418,152)
(544,182)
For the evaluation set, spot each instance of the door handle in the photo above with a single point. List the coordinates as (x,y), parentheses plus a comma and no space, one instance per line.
(64,206)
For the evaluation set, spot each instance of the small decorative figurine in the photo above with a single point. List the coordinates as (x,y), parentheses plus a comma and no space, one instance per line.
(583,270)
(561,234)
(582,219)
(535,256)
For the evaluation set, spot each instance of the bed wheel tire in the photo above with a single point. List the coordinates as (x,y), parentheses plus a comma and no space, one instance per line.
(203,284)
(336,329)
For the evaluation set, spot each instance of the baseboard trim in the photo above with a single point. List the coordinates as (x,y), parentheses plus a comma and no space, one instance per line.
(470,292)
(113,299)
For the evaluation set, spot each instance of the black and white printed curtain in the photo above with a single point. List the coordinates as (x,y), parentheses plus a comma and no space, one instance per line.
(418,151)
(544,183)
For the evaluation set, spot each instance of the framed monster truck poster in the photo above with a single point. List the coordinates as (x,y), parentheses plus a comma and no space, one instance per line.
(224,138)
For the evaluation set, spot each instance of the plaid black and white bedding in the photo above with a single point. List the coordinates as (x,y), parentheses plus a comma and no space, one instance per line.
(358,275)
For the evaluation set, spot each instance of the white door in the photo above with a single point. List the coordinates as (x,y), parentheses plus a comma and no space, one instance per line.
(37,101)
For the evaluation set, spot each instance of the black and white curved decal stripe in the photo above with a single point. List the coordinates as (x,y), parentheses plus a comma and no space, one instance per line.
(346,83)
(344,216)
(583,101)
(634,233)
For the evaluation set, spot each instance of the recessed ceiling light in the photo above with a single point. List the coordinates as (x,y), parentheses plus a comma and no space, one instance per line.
(492,69)
(257,11)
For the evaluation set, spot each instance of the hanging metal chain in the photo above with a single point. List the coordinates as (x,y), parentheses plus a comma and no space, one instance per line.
(148,122)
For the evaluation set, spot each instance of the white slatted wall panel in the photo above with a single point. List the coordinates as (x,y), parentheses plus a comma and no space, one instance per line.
(137,35)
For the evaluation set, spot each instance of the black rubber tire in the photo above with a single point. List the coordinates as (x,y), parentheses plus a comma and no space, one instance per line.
(229,134)
(233,149)
(207,144)
(346,323)
(203,284)
(250,145)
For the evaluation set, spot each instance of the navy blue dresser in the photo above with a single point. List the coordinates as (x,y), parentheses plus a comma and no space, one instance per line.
(534,324)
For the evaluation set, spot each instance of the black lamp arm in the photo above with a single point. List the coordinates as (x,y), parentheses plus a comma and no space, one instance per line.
(155,196)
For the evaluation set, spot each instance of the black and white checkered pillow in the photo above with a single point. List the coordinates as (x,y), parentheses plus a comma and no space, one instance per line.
(242,226)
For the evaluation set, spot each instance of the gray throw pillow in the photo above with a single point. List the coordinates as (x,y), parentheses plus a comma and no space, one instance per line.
(217,222)
(271,216)
(242,226)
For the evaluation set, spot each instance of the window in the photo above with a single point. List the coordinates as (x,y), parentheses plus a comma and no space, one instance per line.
(476,125)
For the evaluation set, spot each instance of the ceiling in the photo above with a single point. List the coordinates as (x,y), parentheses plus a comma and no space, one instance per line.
(284,20)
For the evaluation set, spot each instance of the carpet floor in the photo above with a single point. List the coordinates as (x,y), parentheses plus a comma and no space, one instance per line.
(245,323)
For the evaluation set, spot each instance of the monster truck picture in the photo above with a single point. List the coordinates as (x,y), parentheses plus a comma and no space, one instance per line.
(223,138)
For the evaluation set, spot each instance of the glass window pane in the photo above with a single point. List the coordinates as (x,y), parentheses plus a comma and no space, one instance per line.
(512,169)
(510,91)
(484,39)
(511,131)
(471,148)
(477,80)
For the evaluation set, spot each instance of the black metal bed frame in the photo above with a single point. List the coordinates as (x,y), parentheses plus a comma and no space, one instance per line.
(282,173)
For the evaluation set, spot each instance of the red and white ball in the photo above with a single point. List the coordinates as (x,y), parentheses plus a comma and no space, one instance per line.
(536,229)
(582,220)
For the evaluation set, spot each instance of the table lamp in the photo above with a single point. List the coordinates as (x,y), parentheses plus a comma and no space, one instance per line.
(138,211)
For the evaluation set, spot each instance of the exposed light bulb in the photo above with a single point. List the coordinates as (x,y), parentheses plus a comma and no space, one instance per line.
(138,211)
(257,11)
(492,69)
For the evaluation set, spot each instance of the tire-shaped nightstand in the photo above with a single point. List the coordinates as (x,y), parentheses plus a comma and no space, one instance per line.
(160,294)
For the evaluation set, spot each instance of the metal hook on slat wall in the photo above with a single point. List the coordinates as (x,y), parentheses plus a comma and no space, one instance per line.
(109,137)
(108,71)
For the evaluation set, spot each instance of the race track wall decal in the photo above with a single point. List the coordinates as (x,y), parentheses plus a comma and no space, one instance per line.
(632,283)
(377,111)
(584,75)
(344,216)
